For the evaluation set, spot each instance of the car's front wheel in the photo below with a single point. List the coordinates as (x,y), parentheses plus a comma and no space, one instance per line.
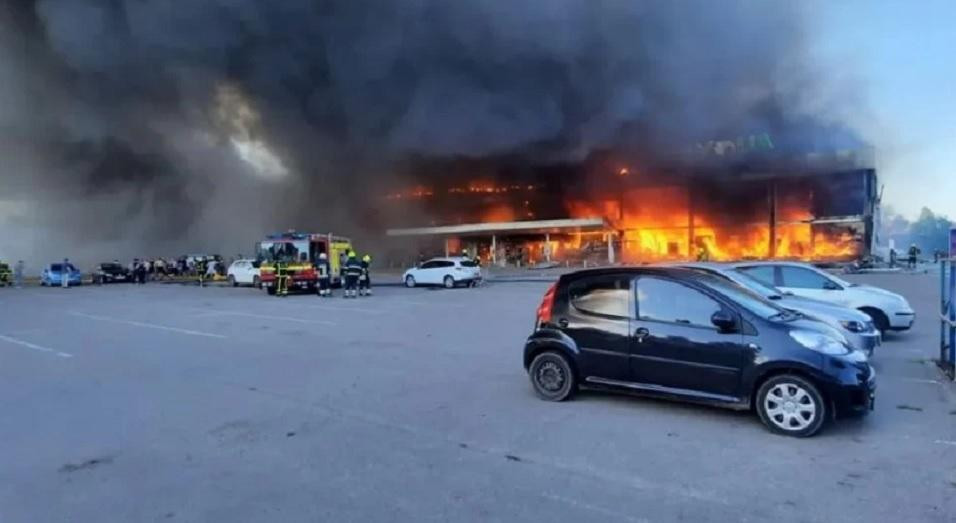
(552,377)
(791,405)
(409,281)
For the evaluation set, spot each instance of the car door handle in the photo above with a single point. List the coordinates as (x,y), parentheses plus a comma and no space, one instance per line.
(641,333)
(563,323)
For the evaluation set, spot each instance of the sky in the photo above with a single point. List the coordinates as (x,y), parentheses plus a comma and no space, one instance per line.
(903,53)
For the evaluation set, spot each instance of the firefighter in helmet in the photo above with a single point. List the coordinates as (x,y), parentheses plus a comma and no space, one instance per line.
(282,278)
(365,282)
(353,270)
(201,268)
(323,271)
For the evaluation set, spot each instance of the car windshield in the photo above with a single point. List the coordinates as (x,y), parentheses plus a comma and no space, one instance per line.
(746,298)
(761,288)
(284,251)
(56,267)
(111,266)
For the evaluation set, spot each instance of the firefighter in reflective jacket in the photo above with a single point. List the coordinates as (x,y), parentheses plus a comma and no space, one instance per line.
(282,279)
(353,270)
(324,273)
(365,281)
(201,267)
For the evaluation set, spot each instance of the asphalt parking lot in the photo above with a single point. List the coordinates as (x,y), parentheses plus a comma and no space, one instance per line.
(176,403)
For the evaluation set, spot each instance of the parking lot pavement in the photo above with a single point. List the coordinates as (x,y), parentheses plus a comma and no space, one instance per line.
(166,402)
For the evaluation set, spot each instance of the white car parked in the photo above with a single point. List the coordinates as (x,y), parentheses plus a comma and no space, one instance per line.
(243,272)
(448,272)
(889,311)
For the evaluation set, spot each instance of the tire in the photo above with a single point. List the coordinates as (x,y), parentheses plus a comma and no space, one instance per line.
(232,281)
(552,377)
(880,320)
(409,281)
(791,405)
(256,283)
(449,282)
(271,290)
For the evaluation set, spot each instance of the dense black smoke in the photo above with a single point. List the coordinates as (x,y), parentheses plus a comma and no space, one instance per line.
(122,122)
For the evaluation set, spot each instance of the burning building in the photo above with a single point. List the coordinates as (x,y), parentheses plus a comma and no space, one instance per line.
(612,207)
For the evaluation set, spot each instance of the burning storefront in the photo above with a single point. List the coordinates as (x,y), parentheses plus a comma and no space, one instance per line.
(612,208)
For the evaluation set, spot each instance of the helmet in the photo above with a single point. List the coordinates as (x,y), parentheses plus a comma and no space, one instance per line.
(366,258)
(322,256)
(351,254)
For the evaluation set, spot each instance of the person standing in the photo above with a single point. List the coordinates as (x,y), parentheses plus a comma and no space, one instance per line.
(65,273)
(353,269)
(201,271)
(323,271)
(18,274)
(365,282)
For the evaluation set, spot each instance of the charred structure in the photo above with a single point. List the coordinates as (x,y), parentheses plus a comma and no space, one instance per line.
(818,207)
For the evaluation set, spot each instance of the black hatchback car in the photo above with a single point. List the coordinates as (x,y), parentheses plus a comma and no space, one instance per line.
(682,334)
(110,273)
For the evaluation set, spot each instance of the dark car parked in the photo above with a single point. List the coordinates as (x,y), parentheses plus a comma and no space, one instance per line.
(110,273)
(683,334)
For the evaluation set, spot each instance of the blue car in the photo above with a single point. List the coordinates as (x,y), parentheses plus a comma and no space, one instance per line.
(53,275)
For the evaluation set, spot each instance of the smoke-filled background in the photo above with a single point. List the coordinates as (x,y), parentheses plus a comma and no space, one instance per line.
(151,127)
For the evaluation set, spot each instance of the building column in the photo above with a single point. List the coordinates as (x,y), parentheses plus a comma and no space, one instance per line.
(494,250)
(610,248)
(447,252)
(547,247)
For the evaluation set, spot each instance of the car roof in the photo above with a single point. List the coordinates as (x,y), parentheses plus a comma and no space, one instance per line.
(448,258)
(651,270)
(771,263)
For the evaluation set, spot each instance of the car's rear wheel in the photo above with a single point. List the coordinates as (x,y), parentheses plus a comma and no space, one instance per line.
(552,377)
(232,281)
(449,282)
(409,281)
(791,405)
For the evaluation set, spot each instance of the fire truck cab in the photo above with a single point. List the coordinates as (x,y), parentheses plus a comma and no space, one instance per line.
(299,251)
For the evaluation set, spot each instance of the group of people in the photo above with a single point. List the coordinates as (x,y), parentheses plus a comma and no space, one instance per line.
(356,279)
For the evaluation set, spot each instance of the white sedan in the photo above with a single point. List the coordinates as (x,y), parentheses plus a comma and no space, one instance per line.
(447,272)
(243,272)
(889,311)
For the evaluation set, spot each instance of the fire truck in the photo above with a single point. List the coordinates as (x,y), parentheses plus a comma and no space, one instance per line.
(299,251)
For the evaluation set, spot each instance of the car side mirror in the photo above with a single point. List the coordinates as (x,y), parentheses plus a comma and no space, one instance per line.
(830,286)
(724,321)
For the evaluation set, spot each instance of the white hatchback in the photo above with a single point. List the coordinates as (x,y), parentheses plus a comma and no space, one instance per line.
(448,272)
(889,311)
(243,272)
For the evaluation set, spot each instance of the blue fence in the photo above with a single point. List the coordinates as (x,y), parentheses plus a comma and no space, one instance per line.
(947,316)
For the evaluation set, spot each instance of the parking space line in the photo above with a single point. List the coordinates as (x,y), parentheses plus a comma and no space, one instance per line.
(148,325)
(32,346)
(945,442)
(417,302)
(266,317)
(334,308)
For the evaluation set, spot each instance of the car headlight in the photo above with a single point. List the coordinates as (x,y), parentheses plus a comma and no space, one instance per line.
(853,326)
(820,342)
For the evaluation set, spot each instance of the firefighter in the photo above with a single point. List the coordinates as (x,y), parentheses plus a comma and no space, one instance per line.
(282,279)
(353,269)
(365,281)
(201,271)
(324,271)
(914,253)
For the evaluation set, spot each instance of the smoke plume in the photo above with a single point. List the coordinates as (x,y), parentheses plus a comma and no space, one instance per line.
(149,127)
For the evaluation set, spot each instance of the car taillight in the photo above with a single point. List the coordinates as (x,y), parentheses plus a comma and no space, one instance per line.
(547,304)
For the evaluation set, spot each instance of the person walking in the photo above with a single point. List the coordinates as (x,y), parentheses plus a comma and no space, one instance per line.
(914,253)
(323,271)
